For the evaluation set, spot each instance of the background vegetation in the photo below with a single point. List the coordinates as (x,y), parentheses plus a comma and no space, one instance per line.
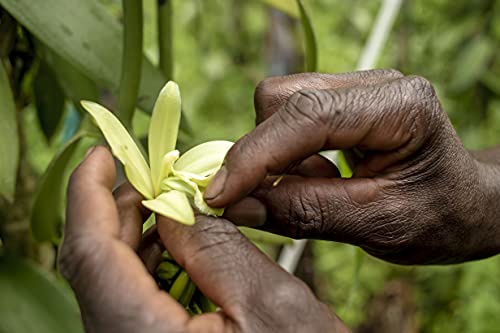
(221,50)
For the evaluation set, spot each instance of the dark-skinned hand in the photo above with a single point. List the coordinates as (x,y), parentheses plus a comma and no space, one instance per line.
(417,196)
(108,264)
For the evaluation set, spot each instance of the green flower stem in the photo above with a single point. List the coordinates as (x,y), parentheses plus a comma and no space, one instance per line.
(165,37)
(131,60)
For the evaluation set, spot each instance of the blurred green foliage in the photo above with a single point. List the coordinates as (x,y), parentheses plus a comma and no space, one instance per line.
(220,54)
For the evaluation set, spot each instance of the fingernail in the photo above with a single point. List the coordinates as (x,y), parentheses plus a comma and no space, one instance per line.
(89,151)
(249,212)
(216,185)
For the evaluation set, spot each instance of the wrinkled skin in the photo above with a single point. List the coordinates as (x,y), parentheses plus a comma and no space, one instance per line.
(108,264)
(417,196)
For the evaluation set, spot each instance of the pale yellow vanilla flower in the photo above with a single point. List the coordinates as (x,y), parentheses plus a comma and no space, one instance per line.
(171,184)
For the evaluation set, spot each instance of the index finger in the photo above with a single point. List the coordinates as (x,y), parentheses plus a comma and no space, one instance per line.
(273,93)
(393,118)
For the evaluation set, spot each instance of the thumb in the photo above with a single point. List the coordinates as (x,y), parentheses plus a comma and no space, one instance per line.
(344,210)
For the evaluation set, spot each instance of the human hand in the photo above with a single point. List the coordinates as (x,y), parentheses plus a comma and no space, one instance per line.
(108,266)
(416,196)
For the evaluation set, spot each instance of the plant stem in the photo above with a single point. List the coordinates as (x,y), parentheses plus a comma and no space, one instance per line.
(131,60)
(165,37)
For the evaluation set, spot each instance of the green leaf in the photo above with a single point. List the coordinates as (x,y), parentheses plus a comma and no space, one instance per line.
(174,205)
(204,159)
(76,85)
(124,148)
(46,215)
(310,39)
(87,36)
(49,99)
(163,129)
(265,237)
(9,140)
(471,63)
(286,6)
(32,301)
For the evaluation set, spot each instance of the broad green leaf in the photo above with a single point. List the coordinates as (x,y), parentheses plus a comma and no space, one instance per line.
(46,215)
(163,129)
(204,159)
(76,85)
(174,205)
(49,99)
(87,36)
(124,148)
(265,237)
(9,140)
(287,6)
(310,39)
(32,301)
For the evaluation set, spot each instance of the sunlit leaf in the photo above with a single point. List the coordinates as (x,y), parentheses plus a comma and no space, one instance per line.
(163,129)
(124,148)
(9,140)
(174,205)
(310,39)
(49,99)
(287,6)
(32,301)
(204,159)
(46,215)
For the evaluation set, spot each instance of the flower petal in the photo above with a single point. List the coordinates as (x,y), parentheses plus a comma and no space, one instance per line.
(193,191)
(167,164)
(123,147)
(178,184)
(204,159)
(174,205)
(163,129)
(197,179)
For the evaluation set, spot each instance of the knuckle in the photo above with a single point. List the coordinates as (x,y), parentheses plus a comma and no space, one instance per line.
(421,86)
(310,105)
(423,105)
(385,73)
(213,238)
(307,213)
(268,97)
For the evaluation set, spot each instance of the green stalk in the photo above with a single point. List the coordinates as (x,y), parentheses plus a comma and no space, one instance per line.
(165,37)
(131,60)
